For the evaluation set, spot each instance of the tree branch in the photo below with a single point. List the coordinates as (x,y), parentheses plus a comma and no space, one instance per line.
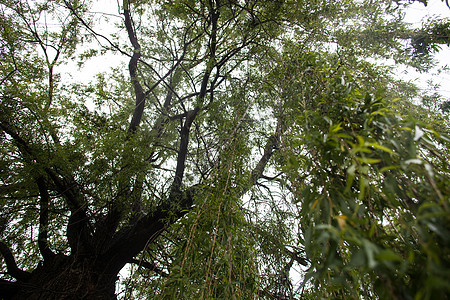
(77,230)
(114,46)
(8,289)
(271,145)
(182,153)
(7,76)
(130,240)
(132,67)
(150,266)
(23,146)
(10,262)
(43,244)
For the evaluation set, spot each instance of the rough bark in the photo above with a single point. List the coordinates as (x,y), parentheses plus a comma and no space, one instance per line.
(64,277)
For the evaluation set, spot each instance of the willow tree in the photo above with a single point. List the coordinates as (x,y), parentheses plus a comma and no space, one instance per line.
(245,140)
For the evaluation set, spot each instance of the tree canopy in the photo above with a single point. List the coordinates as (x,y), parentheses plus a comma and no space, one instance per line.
(247,149)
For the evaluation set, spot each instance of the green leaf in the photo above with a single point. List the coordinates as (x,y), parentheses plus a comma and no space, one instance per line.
(366,160)
(388,255)
(371,250)
(378,146)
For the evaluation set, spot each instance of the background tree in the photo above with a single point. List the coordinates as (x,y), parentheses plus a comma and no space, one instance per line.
(246,139)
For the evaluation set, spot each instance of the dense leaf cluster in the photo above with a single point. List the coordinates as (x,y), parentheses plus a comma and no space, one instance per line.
(247,150)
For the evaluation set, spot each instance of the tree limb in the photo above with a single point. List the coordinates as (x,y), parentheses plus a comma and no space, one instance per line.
(77,230)
(182,153)
(150,266)
(132,67)
(129,241)
(43,244)
(23,146)
(10,262)
(8,289)
(271,145)
(114,46)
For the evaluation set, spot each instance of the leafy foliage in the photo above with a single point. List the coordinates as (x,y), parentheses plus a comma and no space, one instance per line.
(252,150)
(433,34)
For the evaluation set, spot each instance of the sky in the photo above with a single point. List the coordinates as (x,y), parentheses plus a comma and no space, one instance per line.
(415,15)
(107,10)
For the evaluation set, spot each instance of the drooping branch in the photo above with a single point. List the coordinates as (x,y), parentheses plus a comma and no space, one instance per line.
(10,262)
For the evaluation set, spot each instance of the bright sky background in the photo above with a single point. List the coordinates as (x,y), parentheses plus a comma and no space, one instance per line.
(415,14)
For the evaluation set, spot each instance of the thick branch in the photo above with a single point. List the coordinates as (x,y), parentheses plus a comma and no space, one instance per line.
(23,146)
(78,230)
(132,66)
(108,224)
(182,152)
(79,233)
(44,247)
(184,135)
(10,262)
(8,289)
(129,241)
(212,46)
(136,196)
(271,145)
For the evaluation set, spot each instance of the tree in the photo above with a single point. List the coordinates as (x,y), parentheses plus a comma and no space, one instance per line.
(245,139)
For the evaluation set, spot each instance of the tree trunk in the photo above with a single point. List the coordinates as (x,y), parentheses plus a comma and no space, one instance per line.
(64,278)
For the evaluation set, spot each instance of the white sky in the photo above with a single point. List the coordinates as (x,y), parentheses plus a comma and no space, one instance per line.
(415,15)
